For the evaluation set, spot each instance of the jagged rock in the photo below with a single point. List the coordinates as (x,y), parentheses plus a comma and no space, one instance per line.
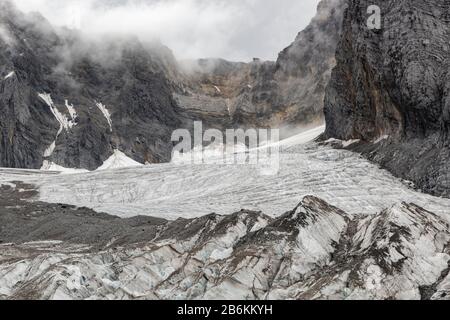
(289,91)
(390,89)
(315,251)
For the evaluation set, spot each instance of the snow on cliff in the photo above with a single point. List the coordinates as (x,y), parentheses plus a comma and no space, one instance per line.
(118,160)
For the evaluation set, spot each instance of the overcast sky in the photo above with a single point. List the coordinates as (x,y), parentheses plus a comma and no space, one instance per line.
(231,29)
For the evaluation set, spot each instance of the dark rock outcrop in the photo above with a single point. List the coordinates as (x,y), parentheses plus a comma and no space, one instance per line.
(390,89)
(45,71)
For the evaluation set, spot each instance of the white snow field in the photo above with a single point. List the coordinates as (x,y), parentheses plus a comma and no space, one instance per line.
(342,178)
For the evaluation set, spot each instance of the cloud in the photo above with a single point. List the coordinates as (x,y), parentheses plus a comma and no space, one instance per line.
(231,29)
(6,36)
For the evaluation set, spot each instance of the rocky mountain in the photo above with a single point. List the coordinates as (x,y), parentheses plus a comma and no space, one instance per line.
(315,251)
(390,89)
(147,232)
(70,101)
(287,92)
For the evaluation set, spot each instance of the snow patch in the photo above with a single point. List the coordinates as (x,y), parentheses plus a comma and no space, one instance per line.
(106,113)
(64,122)
(9,75)
(348,143)
(51,166)
(49,151)
(344,143)
(230,114)
(119,160)
(71,109)
(298,139)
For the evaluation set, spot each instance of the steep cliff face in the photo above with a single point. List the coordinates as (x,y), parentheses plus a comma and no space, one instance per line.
(70,101)
(271,94)
(390,89)
(303,70)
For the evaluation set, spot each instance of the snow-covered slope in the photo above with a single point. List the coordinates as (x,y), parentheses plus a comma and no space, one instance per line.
(9,75)
(50,166)
(118,160)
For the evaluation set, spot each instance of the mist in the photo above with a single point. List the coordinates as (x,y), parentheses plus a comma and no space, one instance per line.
(237,30)
(6,36)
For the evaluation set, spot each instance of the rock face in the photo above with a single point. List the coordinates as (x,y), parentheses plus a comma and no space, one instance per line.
(315,251)
(289,91)
(71,102)
(390,89)
(303,70)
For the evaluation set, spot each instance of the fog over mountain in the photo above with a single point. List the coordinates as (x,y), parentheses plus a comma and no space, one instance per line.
(351,202)
(235,30)
(117,80)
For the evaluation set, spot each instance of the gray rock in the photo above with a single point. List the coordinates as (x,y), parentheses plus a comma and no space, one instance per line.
(394,83)
(287,92)
(122,74)
(147,93)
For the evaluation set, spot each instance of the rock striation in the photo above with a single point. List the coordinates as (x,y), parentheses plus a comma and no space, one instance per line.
(390,89)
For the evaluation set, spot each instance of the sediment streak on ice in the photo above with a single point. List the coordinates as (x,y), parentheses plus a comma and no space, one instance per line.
(314,252)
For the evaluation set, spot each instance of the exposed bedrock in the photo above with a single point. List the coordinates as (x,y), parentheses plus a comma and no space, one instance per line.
(391,89)
(71,101)
(285,93)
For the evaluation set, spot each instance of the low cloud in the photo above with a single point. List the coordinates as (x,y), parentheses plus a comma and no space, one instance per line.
(6,36)
(232,29)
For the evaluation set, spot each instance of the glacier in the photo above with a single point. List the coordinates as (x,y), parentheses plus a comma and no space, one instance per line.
(329,225)
(315,251)
(174,190)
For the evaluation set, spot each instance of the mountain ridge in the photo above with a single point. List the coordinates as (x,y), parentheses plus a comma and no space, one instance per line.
(121,94)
